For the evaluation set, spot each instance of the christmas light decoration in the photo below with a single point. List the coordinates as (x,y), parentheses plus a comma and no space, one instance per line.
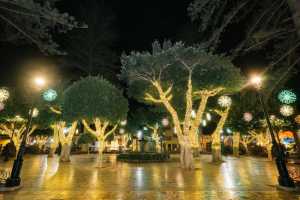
(35,112)
(4,94)
(287,97)
(208,116)
(204,123)
(140,134)
(248,116)
(286,110)
(297,119)
(122,130)
(123,123)
(193,114)
(49,95)
(224,101)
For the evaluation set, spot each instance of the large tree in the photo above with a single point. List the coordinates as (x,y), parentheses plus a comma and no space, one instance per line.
(172,71)
(96,102)
(34,21)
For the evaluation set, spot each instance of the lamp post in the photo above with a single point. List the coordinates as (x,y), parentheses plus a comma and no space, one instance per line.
(284,178)
(15,180)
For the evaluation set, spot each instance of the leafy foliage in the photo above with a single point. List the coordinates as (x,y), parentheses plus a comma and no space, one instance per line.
(94,97)
(171,64)
(34,21)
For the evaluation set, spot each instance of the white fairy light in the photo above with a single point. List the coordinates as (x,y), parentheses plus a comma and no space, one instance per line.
(35,112)
(193,114)
(208,116)
(122,130)
(123,123)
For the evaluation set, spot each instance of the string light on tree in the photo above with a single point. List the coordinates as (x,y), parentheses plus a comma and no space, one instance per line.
(224,101)
(248,116)
(286,110)
(4,94)
(287,97)
(49,95)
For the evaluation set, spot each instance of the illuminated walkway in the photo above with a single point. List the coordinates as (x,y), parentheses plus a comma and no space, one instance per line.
(235,179)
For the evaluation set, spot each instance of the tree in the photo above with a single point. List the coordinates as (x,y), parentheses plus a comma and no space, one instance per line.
(91,50)
(14,118)
(172,71)
(34,21)
(95,101)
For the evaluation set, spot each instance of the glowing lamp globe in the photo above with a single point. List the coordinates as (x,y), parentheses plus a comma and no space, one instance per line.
(50,95)
(287,97)
(224,101)
(2,106)
(286,110)
(165,122)
(4,94)
(248,116)
(297,119)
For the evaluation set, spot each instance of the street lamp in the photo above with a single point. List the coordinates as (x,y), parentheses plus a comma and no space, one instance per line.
(15,180)
(284,178)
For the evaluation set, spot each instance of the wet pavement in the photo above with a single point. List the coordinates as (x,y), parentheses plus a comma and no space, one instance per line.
(235,179)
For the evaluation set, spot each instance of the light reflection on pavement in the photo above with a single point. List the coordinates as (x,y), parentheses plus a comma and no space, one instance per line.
(235,179)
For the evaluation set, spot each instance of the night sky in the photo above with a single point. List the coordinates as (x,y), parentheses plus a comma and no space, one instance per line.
(138,24)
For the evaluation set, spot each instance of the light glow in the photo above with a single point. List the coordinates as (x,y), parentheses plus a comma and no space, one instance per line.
(286,110)
(248,116)
(224,101)
(50,95)
(287,97)
(4,94)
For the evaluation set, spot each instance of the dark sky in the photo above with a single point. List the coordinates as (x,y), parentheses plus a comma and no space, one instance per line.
(138,24)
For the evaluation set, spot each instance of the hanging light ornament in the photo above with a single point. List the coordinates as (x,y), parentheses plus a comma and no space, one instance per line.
(297,119)
(286,110)
(122,130)
(287,97)
(165,122)
(208,116)
(49,95)
(2,106)
(4,94)
(248,116)
(35,112)
(123,123)
(193,114)
(224,101)
(204,123)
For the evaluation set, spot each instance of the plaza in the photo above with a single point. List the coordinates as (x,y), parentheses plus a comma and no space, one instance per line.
(235,179)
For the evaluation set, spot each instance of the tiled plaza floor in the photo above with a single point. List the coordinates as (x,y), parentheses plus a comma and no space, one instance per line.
(245,178)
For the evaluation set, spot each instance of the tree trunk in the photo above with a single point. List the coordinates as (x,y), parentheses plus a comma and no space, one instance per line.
(186,154)
(65,152)
(52,151)
(269,150)
(216,148)
(294,6)
(101,146)
(236,144)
